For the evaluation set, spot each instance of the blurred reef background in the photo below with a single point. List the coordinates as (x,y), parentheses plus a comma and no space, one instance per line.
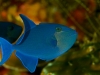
(82,15)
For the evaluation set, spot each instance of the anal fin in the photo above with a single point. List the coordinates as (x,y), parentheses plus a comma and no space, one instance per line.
(28,61)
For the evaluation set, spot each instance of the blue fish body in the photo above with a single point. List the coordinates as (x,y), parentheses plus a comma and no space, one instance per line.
(45,41)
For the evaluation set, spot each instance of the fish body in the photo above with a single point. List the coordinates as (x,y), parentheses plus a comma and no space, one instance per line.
(45,41)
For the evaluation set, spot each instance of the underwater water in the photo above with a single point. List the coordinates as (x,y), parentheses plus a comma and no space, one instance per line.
(82,15)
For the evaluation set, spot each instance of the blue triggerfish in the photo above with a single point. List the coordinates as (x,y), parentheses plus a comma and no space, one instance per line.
(45,41)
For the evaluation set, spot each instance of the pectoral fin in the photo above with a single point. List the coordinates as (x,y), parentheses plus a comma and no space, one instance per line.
(28,61)
(52,41)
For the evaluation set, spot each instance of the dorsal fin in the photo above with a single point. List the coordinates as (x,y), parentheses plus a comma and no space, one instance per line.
(28,25)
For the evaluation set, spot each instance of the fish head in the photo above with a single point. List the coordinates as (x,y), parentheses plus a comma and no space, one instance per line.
(59,39)
(65,37)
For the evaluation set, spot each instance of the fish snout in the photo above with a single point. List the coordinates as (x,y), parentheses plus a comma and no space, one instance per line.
(65,40)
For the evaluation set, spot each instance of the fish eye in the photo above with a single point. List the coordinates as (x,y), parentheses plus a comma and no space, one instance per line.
(58,29)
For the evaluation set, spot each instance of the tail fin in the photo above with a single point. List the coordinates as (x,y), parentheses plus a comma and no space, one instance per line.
(6,50)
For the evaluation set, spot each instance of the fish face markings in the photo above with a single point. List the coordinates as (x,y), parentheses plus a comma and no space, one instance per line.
(65,40)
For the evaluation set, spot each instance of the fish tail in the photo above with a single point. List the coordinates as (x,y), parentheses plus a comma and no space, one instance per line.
(5,50)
